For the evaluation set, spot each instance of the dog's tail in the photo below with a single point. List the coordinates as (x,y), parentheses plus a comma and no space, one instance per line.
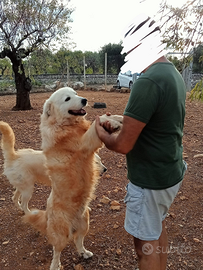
(8,141)
(38,220)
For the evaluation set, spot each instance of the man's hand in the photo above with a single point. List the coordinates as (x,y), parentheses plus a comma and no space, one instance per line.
(106,125)
(102,131)
(123,141)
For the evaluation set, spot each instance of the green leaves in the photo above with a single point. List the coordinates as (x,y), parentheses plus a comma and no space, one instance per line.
(182,27)
(32,23)
(114,58)
(197,92)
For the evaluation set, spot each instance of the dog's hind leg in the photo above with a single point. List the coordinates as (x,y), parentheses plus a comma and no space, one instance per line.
(16,198)
(25,197)
(56,264)
(80,234)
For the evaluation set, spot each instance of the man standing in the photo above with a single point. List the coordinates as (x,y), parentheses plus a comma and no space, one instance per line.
(151,139)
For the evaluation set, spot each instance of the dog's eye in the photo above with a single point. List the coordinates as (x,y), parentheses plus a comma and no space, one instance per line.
(67,99)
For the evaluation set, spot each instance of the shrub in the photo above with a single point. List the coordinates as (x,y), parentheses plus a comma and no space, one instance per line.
(6,84)
(197,91)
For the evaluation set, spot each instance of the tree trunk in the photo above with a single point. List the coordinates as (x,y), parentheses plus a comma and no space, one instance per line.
(23,87)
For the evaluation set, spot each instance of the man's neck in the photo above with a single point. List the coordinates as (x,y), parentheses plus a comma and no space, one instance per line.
(162,59)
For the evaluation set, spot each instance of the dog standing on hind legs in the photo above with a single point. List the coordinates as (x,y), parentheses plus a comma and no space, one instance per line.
(69,143)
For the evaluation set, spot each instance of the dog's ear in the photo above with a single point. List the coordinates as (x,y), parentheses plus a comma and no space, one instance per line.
(47,108)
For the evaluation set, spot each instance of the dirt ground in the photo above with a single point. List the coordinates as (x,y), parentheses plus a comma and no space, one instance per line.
(22,248)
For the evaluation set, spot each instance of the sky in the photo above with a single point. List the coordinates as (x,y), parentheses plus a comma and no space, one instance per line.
(99,22)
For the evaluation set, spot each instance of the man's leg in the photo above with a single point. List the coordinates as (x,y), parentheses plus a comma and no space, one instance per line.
(152,255)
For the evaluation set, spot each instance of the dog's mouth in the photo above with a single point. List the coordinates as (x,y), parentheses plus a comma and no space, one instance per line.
(77,112)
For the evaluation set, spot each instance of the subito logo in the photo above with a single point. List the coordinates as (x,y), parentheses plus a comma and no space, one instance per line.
(147,249)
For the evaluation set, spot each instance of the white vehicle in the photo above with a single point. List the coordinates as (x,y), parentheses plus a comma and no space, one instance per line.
(126,79)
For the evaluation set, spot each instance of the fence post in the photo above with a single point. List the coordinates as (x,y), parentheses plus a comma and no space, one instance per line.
(84,73)
(68,76)
(187,76)
(105,70)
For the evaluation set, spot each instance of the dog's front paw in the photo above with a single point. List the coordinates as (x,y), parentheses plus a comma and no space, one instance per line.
(116,117)
(114,120)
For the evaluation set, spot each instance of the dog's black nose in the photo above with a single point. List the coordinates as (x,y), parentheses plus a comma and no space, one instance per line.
(84,101)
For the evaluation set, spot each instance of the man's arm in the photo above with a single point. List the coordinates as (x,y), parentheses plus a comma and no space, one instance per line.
(123,141)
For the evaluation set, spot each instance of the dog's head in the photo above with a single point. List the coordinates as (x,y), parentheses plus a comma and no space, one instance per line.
(64,104)
(101,167)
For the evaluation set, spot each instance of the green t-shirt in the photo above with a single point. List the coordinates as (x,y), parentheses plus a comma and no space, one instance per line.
(157,99)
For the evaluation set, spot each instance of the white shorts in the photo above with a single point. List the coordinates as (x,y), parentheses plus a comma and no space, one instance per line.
(146,209)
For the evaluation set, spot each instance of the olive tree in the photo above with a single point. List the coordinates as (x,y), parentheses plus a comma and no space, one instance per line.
(26,25)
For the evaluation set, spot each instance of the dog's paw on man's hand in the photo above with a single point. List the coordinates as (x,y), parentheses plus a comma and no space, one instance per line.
(111,123)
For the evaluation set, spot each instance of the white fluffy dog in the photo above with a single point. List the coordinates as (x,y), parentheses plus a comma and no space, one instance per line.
(23,168)
(69,143)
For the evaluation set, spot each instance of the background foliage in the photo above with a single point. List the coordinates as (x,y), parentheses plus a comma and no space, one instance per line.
(30,30)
